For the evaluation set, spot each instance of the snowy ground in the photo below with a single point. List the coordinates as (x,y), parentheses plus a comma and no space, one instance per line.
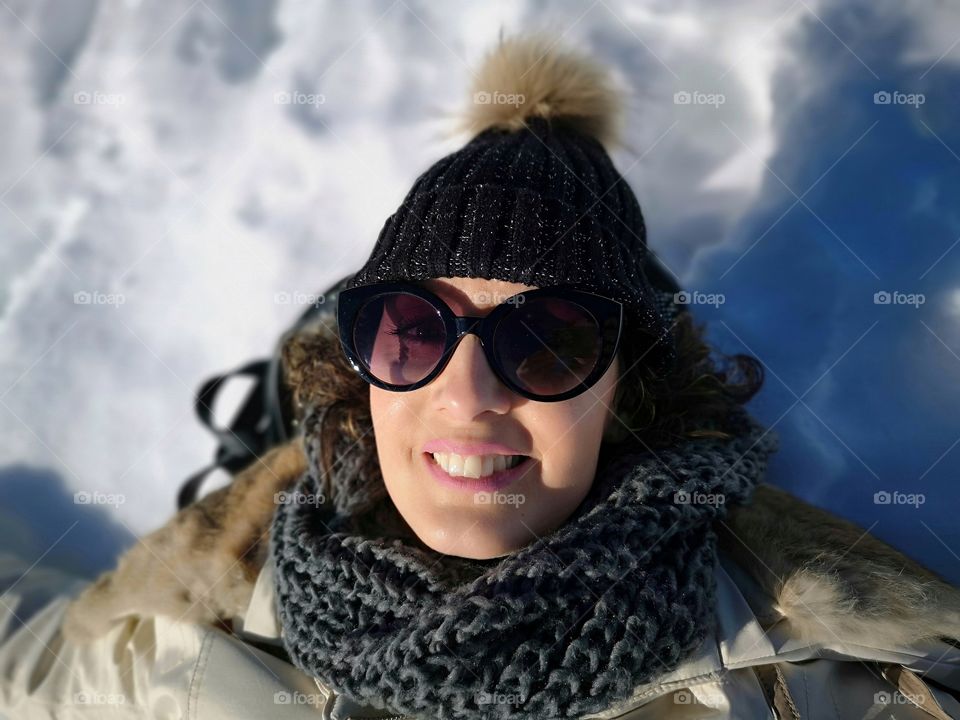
(184,162)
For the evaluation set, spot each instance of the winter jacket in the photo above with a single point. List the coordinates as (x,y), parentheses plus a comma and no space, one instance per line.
(814,619)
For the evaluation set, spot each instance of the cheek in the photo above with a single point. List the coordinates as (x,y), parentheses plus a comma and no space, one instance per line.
(378,402)
(390,414)
(397,422)
(568,441)
(569,435)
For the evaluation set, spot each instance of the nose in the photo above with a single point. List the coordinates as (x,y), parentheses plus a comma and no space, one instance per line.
(468,386)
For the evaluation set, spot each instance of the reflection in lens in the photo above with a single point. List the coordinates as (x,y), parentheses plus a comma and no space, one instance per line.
(399,337)
(549,346)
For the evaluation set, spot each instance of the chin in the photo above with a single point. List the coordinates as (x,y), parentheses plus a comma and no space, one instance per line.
(475,544)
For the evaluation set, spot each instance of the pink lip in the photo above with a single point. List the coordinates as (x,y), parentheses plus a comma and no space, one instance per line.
(468,448)
(490,483)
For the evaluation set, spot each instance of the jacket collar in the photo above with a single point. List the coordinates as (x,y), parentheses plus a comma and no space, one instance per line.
(261,621)
(756,623)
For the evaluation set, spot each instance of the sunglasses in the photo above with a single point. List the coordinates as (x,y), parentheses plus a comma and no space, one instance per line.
(547,344)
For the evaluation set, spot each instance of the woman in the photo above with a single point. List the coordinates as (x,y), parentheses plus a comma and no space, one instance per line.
(517,458)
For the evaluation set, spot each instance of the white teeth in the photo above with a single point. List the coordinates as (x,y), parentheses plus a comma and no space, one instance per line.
(487,466)
(475,466)
(472,465)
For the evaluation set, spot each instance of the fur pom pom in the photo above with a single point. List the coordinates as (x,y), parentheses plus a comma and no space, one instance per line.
(530,76)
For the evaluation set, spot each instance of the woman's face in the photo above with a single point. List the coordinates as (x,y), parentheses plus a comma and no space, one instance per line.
(466,403)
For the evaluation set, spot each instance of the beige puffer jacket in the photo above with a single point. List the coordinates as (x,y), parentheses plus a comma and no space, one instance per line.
(815,619)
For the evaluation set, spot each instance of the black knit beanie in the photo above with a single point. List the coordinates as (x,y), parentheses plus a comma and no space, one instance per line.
(533,198)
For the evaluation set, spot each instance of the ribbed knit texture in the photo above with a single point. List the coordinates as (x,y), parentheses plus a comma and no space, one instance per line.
(541,206)
(567,626)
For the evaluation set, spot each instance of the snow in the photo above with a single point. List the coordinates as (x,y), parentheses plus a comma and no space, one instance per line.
(184,162)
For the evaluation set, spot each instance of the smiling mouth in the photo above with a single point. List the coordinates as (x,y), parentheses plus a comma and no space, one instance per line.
(476,467)
(493,482)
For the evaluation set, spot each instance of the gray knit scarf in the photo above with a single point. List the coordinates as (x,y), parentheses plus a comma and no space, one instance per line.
(566,626)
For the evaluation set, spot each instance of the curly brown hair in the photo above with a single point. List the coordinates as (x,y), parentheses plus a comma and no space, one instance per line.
(691,401)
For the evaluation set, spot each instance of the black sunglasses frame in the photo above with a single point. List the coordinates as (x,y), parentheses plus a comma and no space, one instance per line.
(608,312)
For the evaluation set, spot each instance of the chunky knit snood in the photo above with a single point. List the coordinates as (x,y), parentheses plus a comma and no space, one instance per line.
(564,627)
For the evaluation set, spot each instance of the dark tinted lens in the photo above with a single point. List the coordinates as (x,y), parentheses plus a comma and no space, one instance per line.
(549,346)
(399,337)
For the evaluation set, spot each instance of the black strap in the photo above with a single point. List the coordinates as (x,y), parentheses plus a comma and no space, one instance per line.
(244,440)
(265,419)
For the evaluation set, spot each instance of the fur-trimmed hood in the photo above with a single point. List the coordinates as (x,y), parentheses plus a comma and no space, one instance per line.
(825,576)
(814,619)
(821,576)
